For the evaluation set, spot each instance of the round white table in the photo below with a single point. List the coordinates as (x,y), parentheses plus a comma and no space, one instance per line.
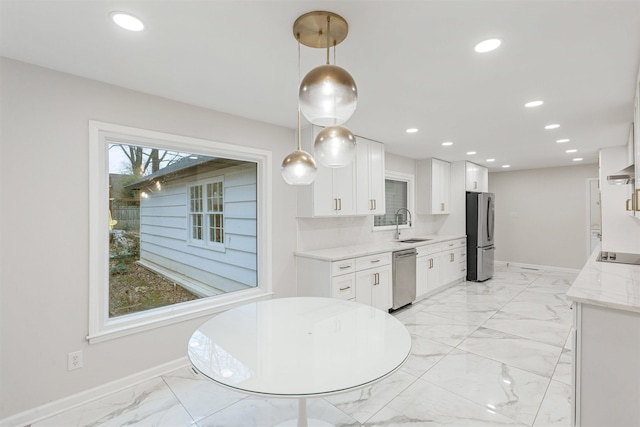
(299,347)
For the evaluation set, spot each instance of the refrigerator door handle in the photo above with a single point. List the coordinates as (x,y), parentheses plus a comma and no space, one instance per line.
(490,219)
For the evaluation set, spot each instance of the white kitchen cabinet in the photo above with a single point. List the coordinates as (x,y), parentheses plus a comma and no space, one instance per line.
(433,179)
(453,261)
(606,366)
(439,266)
(476,178)
(333,192)
(427,270)
(343,286)
(451,266)
(370,177)
(366,279)
(373,287)
(322,278)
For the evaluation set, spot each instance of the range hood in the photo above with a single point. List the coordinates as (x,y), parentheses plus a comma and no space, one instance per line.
(624,176)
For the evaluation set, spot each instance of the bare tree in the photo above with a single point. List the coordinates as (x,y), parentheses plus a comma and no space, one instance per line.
(148,160)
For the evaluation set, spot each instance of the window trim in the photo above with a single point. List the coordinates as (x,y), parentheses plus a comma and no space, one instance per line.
(409,178)
(101,327)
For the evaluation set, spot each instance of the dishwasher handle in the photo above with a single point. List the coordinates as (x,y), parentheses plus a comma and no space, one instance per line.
(405,253)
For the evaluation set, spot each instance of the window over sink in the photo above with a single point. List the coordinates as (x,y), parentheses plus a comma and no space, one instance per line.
(399,194)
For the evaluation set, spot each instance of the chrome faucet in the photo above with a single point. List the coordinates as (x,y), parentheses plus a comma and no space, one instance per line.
(397,236)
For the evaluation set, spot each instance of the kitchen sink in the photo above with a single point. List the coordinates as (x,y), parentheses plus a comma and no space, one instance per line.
(414,240)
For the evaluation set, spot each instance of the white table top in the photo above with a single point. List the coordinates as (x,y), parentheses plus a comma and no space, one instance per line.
(302,346)
(607,284)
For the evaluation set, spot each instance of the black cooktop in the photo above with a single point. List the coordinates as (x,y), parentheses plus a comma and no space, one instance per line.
(619,257)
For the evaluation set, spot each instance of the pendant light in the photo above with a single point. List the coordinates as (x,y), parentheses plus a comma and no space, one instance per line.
(335,146)
(327,95)
(299,168)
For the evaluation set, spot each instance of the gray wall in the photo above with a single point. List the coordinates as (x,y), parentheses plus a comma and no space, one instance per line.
(44,228)
(541,215)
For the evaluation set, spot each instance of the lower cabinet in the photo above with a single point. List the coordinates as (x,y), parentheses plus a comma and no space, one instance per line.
(440,265)
(606,367)
(373,287)
(365,279)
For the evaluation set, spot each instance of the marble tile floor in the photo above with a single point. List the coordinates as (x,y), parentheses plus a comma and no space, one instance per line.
(496,353)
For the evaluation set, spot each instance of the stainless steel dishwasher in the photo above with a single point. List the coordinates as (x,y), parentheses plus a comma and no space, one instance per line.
(404,278)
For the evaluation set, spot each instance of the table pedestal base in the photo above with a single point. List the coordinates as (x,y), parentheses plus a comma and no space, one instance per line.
(302,420)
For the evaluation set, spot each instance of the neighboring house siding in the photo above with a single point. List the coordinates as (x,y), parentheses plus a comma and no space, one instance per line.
(164,235)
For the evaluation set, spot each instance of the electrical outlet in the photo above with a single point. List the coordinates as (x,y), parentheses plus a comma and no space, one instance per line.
(74,360)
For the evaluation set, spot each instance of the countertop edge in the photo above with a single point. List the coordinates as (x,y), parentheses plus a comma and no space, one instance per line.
(609,285)
(353,251)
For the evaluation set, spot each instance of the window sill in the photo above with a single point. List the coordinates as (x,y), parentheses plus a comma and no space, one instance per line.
(143,321)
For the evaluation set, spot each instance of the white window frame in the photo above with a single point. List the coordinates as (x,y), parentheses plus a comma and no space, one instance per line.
(101,134)
(205,214)
(410,180)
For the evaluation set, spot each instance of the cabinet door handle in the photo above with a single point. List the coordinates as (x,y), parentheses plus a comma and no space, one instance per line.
(344,289)
(373,261)
(430,263)
(632,204)
(453,256)
(637,206)
(475,185)
(375,204)
(344,267)
(377,278)
(339,204)
(335,204)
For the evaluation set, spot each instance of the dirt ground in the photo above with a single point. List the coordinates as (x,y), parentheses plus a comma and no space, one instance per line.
(133,288)
(140,289)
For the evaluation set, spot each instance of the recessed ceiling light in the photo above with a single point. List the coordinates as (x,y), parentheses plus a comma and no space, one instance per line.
(553,126)
(562,141)
(491,160)
(127,21)
(571,151)
(532,104)
(470,153)
(412,130)
(447,143)
(577,159)
(506,166)
(487,45)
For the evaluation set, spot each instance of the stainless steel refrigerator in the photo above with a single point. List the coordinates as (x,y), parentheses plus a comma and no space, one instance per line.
(480,227)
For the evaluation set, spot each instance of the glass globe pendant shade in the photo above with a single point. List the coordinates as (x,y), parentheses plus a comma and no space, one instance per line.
(299,168)
(328,95)
(335,147)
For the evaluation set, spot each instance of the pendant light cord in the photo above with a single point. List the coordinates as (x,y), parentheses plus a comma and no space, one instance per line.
(328,36)
(299,131)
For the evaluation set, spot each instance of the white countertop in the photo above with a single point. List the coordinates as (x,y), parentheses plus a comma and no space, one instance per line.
(608,285)
(345,252)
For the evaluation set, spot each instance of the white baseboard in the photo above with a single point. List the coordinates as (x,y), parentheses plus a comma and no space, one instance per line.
(50,409)
(535,267)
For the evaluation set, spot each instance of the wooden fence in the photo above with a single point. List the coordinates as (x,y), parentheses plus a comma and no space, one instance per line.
(127,215)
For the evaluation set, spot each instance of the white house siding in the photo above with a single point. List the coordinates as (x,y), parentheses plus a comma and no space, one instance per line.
(164,235)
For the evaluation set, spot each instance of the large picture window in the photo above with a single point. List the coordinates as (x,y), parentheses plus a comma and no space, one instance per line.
(178,228)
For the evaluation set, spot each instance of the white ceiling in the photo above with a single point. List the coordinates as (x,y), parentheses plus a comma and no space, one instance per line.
(413,62)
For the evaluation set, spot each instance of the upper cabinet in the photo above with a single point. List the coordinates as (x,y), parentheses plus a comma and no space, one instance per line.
(476,178)
(370,177)
(433,178)
(356,189)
